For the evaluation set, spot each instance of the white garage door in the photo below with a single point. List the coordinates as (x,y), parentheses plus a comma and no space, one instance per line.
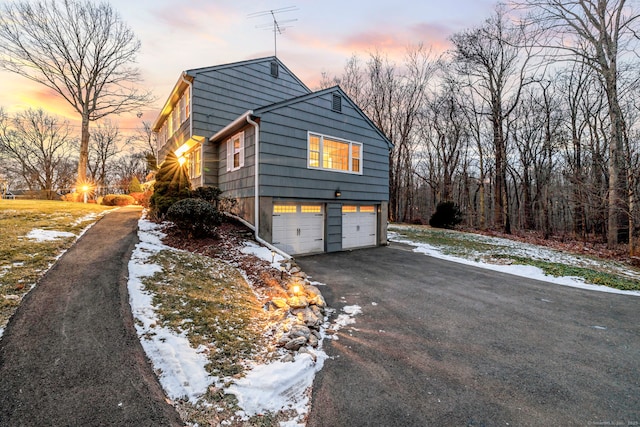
(298,229)
(359,226)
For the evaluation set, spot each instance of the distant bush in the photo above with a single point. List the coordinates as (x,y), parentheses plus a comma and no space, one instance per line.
(142,198)
(135,186)
(195,217)
(73,197)
(447,215)
(117,200)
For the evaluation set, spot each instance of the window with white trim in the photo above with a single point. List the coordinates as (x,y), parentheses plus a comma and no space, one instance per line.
(235,152)
(334,154)
(194,159)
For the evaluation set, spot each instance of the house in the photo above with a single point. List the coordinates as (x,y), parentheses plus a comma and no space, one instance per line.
(320,166)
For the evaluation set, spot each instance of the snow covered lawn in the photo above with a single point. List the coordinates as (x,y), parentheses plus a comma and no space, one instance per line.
(516,258)
(211,343)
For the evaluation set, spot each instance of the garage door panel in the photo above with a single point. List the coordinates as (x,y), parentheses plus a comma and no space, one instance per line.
(298,229)
(359,225)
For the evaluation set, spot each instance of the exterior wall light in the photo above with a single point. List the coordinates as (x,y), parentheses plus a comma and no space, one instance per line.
(338,193)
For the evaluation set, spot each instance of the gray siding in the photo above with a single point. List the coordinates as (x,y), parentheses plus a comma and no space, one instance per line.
(334,227)
(221,94)
(238,183)
(283,153)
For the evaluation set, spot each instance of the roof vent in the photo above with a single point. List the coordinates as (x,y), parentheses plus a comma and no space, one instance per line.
(336,103)
(274,69)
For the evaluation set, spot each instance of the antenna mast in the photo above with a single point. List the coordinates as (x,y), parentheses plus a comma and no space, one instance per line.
(277,26)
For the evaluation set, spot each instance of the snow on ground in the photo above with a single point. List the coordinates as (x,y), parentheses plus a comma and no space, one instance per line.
(263,253)
(278,385)
(518,249)
(265,387)
(40,235)
(180,368)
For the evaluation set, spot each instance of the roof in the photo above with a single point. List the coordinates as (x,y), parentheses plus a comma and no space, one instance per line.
(320,93)
(187,77)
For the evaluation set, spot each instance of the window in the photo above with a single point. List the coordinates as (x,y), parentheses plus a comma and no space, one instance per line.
(310,209)
(334,154)
(235,152)
(194,160)
(284,209)
(349,209)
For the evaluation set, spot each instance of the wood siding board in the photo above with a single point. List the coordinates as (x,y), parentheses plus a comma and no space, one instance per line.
(334,227)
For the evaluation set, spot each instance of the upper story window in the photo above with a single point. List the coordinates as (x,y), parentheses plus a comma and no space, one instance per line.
(235,152)
(179,114)
(334,154)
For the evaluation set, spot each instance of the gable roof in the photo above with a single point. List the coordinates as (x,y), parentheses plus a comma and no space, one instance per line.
(194,71)
(318,94)
(187,77)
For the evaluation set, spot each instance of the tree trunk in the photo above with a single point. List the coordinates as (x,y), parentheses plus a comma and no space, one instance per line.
(83,160)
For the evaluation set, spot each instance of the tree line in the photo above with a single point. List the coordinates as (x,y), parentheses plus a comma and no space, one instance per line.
(528,122)
(39,152)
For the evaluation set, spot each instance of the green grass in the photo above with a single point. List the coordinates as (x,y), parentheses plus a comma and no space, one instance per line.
(211,302)
(468,246)
(24,261)
(589,275)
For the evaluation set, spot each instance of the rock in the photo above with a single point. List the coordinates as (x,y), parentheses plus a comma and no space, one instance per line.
(298,302)
(296,343)
(305,350)
(318,300)
(280,303)
(316,334)
(299,330)
(300,274)
(294,269)
(311,291)
(309,318)
(313,341)
(317,311)
(287,358)
(12,297)
(282,342)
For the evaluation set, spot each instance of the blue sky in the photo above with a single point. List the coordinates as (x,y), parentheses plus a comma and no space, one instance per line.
(181,34)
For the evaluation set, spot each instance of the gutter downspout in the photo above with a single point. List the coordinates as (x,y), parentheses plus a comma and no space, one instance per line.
(256,172)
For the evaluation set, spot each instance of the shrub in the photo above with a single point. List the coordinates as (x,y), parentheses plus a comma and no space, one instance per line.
(208,194)
(142,198)
(73,197)
(447,215)
(135,186)
(195,217)
(117,200)
(172,184)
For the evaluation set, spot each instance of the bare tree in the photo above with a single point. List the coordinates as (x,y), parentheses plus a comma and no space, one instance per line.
(597,33)
(106,144)
(496,59)
(80,49)
(40,145)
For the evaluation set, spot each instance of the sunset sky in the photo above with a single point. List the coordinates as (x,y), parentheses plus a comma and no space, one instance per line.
(177,35)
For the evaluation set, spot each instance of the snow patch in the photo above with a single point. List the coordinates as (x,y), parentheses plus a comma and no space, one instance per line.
(180,368)
(40,235)
(516,270)
(279,385)
(263,253)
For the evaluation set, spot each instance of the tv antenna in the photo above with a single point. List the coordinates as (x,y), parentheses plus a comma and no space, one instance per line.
(277,26)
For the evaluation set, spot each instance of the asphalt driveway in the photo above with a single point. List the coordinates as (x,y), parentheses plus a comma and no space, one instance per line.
(70,355)
(445,344)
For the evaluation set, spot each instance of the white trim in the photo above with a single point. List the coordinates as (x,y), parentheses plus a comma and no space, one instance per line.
(256,183)
(321,149)
(231,152)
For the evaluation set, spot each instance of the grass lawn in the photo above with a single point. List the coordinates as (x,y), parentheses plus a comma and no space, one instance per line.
(24,260)
(555,263)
